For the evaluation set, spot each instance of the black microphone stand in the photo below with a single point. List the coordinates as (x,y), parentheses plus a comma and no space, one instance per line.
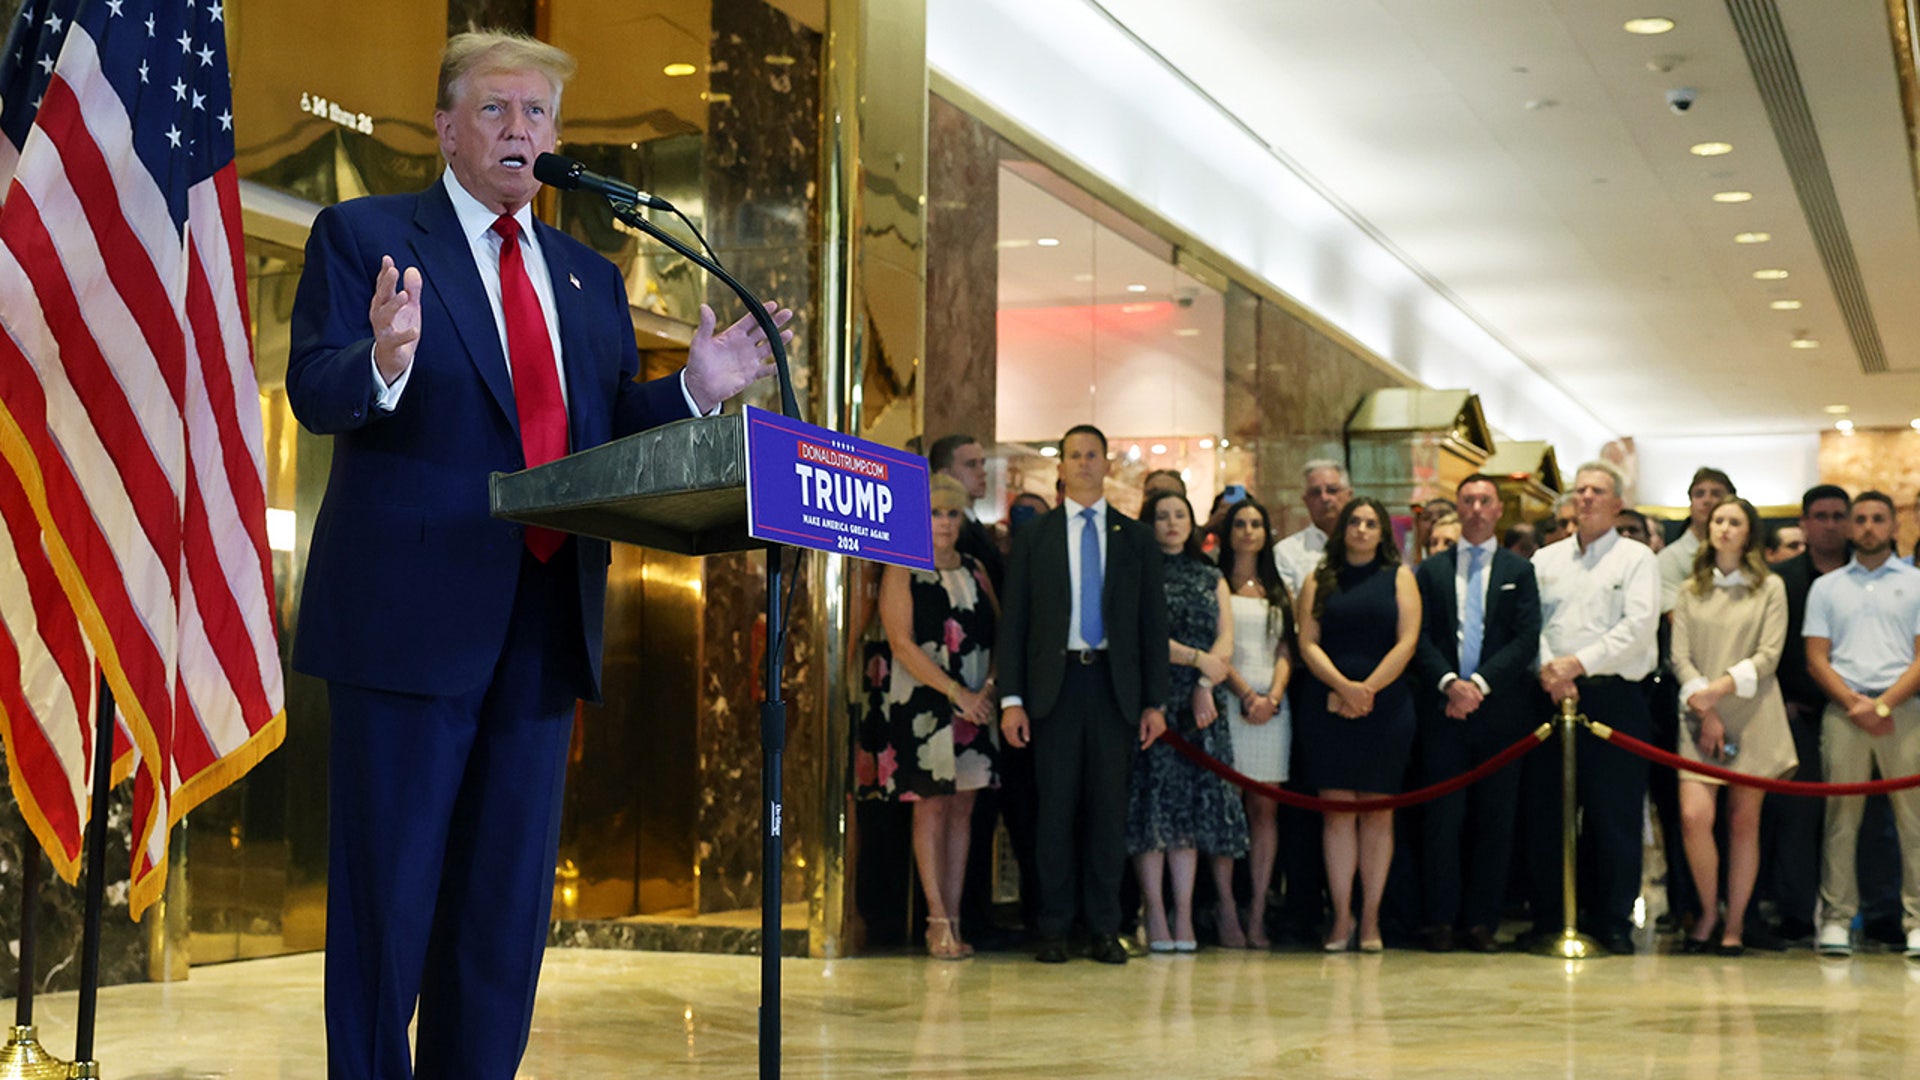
(773,711)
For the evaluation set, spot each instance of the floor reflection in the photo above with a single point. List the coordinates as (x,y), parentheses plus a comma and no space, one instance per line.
(1408,1016)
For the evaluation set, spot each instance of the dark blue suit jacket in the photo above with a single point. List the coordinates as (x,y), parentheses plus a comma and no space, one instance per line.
(409,579)
(1508,651)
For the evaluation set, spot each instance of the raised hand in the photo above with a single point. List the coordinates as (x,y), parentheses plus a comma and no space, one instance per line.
(395,315)
(723,364)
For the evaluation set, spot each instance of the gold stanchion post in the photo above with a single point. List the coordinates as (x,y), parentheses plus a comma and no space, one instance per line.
(1571,944)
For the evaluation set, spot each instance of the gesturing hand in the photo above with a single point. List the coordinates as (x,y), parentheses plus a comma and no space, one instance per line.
(723,364)
(395,315)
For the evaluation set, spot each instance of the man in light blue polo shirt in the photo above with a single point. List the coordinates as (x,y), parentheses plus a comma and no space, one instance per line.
(1862,634)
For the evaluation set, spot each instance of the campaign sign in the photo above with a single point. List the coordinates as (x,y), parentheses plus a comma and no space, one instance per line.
(814,488)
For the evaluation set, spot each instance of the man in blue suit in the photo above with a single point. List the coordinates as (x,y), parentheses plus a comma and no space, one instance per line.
(1479,640)
(454,645)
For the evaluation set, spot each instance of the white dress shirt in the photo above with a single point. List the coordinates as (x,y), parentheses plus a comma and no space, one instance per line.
(476,224)
(1599,604)
(1298,556)
(1676,566)
(1463,554)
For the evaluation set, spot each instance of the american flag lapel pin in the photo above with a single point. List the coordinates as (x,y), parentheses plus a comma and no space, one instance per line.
(574,280)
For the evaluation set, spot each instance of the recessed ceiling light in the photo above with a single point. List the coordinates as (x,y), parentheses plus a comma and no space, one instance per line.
(1049,451)
(1914,423)
(1804,343)
(1838,410)
(1710,149)
(1650,25)
(1159,448)
(1845,426)
(1005,245)
(1048,241)
(1207,444)
(1732,196)
(1136,309)
(675,71)
(1136,287)
(1187,331)
(1785,305)
(1752,237)
(1083,278)
(1770,275)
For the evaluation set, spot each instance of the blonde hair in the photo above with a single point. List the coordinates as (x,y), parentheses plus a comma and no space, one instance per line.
(499,51)
(1753,560)
(946,493)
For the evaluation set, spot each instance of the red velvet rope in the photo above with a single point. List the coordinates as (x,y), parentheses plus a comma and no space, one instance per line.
(1783,787)
(1359,806)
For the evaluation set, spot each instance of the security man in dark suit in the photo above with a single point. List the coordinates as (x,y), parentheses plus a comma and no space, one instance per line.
(1479,636)
(1083,673)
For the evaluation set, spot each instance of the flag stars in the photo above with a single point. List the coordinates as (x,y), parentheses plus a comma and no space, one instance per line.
(149,26)
(226,120)
(143,72)
(173,136)
(216,12)
(179,90)
(53,23)
(45,63)
(206,56)
(186,43)
(114,6)
(199,101)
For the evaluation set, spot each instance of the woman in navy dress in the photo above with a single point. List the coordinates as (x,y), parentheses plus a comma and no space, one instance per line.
(1359,618)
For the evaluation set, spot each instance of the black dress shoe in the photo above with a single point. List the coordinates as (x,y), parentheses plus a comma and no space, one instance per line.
(1619,943)
(1730,949)
(1437,938)
(1693,946)
(1764,939)
(1051,951)
(1481,940)
(1106,949)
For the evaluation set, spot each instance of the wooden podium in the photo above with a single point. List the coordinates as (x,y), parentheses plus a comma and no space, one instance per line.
(682,488)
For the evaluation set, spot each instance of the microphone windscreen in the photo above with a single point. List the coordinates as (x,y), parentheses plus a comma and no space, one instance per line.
(557,171)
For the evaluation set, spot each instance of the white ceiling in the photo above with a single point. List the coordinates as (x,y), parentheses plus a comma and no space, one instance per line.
(1580,230)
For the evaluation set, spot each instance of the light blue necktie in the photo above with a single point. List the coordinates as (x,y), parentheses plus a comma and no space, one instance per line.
(1091,581)
(1474,626)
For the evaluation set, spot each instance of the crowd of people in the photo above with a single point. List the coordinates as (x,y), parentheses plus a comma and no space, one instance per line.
(1044,665)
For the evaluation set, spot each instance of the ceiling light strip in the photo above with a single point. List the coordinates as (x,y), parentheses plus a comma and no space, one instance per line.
(1764,39)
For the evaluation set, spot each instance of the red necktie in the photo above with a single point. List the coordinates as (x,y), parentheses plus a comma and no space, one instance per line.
(536,378)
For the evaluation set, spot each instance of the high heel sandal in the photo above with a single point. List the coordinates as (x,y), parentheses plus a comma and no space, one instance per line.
(942,942)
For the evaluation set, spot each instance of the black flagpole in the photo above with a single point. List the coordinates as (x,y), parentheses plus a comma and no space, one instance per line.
(83,1064)
(23,1058)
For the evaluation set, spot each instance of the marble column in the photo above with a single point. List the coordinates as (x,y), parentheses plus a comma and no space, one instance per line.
(963,302)
(760,170)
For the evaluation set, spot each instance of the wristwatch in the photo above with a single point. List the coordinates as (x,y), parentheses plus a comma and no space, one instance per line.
(1880,709)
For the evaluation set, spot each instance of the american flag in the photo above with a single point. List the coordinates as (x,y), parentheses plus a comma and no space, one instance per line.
(132,484)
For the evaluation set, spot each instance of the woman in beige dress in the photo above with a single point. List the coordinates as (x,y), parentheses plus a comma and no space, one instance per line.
(1729,624)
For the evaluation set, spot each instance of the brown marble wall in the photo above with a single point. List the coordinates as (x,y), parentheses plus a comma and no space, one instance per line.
(963,220)
(124,944)
(1290,389)
(760,173)
(1878,460)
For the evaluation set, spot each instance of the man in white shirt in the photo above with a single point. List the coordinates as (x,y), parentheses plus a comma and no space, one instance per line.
(1599,606)
(1862,638)
(1709,486)
(1325,490)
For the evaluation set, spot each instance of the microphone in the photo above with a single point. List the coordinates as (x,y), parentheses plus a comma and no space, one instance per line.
(569,175)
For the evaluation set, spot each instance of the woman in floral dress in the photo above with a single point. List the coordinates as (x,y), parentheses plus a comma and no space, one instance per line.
(930,735)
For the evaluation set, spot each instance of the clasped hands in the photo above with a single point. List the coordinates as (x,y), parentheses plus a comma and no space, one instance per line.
(1350,699)
(1018,730)
(1557,677)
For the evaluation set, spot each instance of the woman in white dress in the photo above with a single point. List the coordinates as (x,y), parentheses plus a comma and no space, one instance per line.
(1257,686)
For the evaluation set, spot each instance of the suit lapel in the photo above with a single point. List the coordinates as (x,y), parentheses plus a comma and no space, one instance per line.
(1449,586)
(446,262)
(569,306)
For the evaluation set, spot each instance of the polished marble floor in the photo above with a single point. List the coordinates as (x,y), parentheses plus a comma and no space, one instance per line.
(1217,1014)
